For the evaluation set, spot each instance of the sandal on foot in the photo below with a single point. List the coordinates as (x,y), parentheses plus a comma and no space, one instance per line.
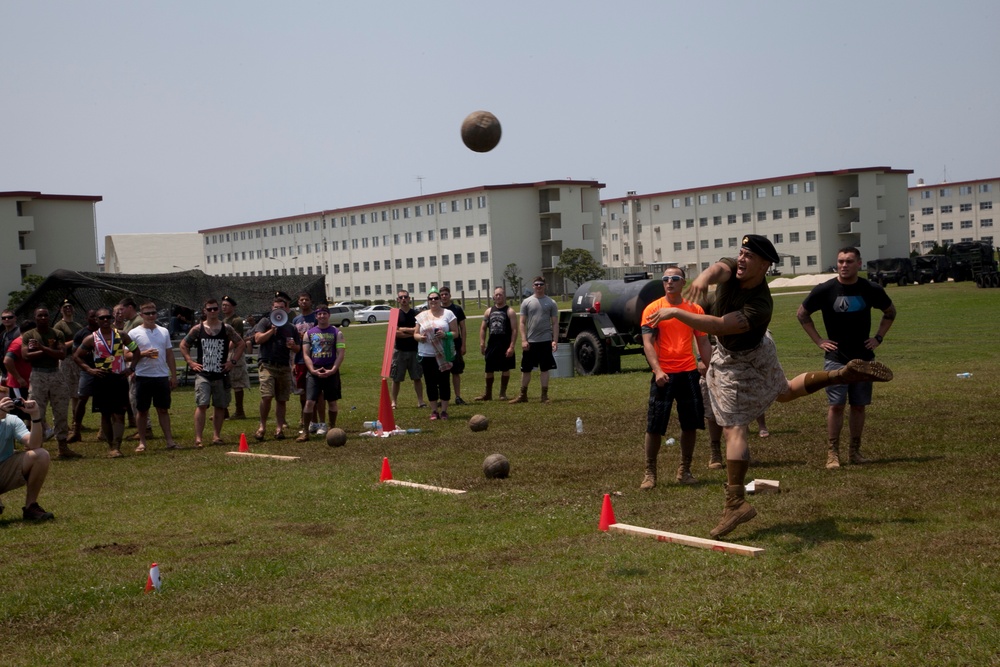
(140,448)
(259,435)
(279,435)
(198,444)
(218,441)
(764,433)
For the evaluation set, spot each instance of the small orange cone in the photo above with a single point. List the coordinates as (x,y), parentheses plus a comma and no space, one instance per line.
(607,514)
(244,447)
(385,409)
(386,471)
(153,579)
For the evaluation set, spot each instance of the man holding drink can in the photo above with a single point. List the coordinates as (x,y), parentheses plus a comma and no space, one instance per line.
(155,374)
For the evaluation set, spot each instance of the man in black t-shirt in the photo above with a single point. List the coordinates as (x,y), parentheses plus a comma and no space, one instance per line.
(846,303)
(404,356)
(458,363)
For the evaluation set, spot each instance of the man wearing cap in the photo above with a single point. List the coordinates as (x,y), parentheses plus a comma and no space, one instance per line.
(44,347)
(277,345)
(538,325)
(846,303)
(744,376)
(239,377)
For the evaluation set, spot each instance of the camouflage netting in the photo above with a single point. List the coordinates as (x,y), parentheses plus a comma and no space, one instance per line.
(186,289)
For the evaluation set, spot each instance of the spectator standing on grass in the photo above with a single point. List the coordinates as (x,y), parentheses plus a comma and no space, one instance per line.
(500,322)
(239,376)
(110,371)
(458,363)
(218,345)
(8,333)
(28,468)
(323,351)
(745,377)
(305,320)
(277,345)
(433,328)
(69,371)
(538,326)
(846,303)
(44,347)
(669,351)
(404,356)
(155,374)
(85,386)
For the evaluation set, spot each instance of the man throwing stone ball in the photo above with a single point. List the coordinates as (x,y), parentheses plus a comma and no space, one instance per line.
(745,377)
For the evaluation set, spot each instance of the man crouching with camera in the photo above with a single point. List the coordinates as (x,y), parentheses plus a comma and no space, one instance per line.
(27,468)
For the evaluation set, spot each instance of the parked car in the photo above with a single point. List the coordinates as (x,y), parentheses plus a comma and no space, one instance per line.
(353,305)
(373,314)
(340,316)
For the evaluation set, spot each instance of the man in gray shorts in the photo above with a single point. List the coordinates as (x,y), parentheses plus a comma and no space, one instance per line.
(404,356)
(745,376)
(27,468)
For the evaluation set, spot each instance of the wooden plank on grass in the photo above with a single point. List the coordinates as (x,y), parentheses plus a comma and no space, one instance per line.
(686,540)
(425,487)
(764,486)
(276,457)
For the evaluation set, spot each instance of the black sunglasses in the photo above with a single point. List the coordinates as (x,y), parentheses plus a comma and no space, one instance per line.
(212,310)
(105,317)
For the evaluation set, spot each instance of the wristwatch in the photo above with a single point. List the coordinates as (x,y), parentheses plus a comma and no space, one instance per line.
(878,338)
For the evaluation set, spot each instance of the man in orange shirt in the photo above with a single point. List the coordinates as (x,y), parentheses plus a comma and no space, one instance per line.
(668,349)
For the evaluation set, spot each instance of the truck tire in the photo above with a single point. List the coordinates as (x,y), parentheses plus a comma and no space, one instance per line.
(589,355)
(902,282)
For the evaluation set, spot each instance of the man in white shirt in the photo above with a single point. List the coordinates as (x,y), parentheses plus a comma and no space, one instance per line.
(155,374)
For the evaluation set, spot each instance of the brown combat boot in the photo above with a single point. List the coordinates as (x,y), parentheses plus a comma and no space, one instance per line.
(857,370)
(715,461)
(545,395)
(684,475)
(66,453)
(649,479)
(833,455)
(737,511)
(74,435)
(488,394)
(523,398)
(856,456)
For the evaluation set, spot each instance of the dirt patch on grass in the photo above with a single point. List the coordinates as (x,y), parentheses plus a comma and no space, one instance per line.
(309,529)
(114,549)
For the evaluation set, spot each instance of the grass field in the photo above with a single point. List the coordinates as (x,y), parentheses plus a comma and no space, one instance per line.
(313,562)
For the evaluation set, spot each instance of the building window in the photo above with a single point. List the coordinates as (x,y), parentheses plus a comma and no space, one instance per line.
(718,243)
(456,233)
(704,244)
(675,202)
(810,211)
(716,198)
(944,192)
(761,216)
(458,258)
(966,224)
(776,191)
(928,227)
(677,246)
(747,217)
(810,186)
(761,193)
(444,233)
(677,224)
(745,194)
(454,205)
(776,215)
(468,203)
(731,195)
(985,205)
(689,201)
(690,245)
(484,257)
(702,199)
(965,208)
(779,238)
(716,220)
(793,213)
(986,222)
(948,226)
(985,187)
(703,222)
(810,236)
(944,209)
(481,201)
(793,237)
(927,210)
(470,258)
(689,223)
(433,260)
(469,230)
(731,219)
(962,190)
(444,260)
(399,263)
(811,260)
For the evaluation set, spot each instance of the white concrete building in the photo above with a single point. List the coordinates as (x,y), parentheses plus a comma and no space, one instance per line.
(462,238)
(947,213)
(153,253)
(808,217)
(40,233)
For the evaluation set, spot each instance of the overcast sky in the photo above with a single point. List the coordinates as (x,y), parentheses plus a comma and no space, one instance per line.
(185,115)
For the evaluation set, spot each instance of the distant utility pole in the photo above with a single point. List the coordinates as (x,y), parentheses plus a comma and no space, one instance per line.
(420,180)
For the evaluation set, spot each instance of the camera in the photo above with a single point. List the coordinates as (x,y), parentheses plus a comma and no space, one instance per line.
(18,403)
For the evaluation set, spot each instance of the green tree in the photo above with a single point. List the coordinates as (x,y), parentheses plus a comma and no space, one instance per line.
(579,266)
(28,285)
(512,274)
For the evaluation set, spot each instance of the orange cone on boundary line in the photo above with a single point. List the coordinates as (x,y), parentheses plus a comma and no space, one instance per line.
(244,447)
(153,579)
(607,514)
(385,409)
(386,471)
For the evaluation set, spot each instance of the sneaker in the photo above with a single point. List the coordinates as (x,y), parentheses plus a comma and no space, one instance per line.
(444,414)
(322,429)
(460,401)
(314,427)
(49,433)
(34,512)
(434,416)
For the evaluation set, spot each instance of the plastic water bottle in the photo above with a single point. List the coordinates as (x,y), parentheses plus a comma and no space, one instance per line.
(670,441)
(377,427)
(579,425)
(411,431)
(369,425)
(964,376)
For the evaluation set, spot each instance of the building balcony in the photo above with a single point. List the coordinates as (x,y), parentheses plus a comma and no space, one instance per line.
(846,228)
(25,223)
(848,203)
(26,257)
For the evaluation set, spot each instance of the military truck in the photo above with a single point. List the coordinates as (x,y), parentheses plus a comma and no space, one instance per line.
(897,270)
(605,321)
(932,267)
(974,260)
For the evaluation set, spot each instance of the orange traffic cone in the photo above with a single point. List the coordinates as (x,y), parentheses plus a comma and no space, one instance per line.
(386,471)
(385,409)
(607,514)
(153,579)
(244,447)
